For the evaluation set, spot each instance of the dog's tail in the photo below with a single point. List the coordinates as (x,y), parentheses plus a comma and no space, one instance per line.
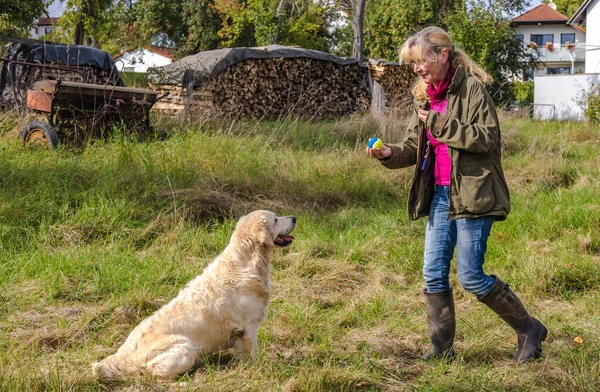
(109,368)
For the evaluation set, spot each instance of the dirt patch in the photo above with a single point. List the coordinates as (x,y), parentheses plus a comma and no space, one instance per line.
(207,205)
(42,329)
(381,344)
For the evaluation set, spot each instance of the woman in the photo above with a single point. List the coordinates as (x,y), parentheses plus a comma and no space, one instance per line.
(454,140)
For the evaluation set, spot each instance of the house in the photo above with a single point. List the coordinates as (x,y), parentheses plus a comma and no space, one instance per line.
(588,14)
(43,27)
(562,97)
(140,59)
(561,46)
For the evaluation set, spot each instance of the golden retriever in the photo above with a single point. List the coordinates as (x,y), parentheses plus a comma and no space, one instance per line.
(219,309)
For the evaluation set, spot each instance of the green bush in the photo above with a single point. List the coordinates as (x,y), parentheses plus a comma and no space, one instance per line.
(589,101)
(135,79)
(523,91)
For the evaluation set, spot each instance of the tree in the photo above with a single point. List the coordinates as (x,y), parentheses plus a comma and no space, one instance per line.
(357,25)
(483,30)
(198,28)
(305,23)
(95,23)
(566,7)
(18,16)
(189,26)
(389,22)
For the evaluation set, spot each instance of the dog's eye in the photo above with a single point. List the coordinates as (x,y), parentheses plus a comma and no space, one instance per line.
(276,220)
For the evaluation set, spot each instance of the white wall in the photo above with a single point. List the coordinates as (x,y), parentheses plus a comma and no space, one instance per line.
(139,60)
(556,96)
(592,59)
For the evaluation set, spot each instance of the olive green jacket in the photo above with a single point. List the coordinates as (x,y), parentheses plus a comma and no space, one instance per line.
(471,130)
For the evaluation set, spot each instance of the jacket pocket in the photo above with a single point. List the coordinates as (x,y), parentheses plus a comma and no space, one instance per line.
(477,193)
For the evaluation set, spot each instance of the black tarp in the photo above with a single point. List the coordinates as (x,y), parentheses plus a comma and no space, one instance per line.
(29,51)
(190,71)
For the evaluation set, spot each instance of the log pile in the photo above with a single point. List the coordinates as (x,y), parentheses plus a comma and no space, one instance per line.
(275,88)
(173,102)
(397,81)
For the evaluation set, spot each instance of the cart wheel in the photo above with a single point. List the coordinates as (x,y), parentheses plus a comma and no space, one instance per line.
(40,134)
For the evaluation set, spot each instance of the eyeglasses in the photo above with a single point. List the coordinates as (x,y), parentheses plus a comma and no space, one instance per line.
(422,62)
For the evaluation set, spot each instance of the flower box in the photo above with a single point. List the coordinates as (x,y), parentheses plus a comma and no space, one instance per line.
(550,46)
(569,45)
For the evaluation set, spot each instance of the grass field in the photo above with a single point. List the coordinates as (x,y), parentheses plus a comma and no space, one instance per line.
(95,238)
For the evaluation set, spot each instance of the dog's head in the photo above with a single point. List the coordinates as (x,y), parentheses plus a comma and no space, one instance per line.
(264,227)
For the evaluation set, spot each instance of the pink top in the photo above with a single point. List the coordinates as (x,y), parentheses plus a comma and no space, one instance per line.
(443,164)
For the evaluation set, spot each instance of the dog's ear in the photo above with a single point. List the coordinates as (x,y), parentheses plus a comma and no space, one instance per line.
(262,231)
(254,228)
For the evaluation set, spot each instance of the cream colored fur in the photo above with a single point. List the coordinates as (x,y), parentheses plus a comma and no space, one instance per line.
(219,309)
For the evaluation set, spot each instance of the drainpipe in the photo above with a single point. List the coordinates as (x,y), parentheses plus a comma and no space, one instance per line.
(572,62)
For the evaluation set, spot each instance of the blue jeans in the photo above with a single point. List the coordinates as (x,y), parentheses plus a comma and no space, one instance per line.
(468,236)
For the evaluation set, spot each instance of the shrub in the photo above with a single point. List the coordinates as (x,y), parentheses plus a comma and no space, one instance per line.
(589,101)
(523,91)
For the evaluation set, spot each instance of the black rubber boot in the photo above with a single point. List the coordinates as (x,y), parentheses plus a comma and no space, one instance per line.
(441,324)
(530,331)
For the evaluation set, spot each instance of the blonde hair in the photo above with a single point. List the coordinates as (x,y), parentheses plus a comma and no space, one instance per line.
(428,44)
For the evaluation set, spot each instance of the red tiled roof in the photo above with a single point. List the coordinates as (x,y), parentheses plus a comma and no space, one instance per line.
(541,13)
(167,52)
(47,21)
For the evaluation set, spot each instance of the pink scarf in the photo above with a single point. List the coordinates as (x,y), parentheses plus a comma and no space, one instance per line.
(443,165)
(438,94)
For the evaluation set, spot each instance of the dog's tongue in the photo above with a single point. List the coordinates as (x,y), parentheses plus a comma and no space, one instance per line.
(287,237)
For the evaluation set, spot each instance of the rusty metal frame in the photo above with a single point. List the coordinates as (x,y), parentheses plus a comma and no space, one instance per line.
(73,107)
(83,71)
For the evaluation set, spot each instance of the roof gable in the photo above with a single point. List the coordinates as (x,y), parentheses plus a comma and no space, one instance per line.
(542,13)
(47,21)
(581,13)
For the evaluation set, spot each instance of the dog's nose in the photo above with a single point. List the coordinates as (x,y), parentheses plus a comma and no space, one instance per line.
(293,219)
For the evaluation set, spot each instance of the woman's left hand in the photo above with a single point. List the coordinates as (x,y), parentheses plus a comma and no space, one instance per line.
(423,115)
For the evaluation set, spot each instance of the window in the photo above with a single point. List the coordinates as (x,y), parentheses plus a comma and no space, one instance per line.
(541,39)
(558,71)
(47,30)
(567,37)
(519,37)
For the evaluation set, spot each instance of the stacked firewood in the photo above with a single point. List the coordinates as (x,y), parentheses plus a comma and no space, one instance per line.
(397,81)
(172,99)
(275,88)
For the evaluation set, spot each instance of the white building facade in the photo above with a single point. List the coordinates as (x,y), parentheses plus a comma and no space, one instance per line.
(140,59)
(561,47)
(562,97)
(47,25)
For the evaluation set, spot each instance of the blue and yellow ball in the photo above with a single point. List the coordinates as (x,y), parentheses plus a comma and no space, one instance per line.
(375,142)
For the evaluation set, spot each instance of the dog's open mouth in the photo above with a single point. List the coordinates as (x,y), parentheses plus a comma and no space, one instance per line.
(283,240)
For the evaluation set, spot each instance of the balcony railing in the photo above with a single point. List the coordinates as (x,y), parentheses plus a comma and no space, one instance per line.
(561,53)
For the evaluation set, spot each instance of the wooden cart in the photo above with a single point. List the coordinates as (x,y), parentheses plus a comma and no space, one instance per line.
(77,111)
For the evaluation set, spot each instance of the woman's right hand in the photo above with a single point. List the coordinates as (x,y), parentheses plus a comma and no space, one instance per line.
(379,153)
